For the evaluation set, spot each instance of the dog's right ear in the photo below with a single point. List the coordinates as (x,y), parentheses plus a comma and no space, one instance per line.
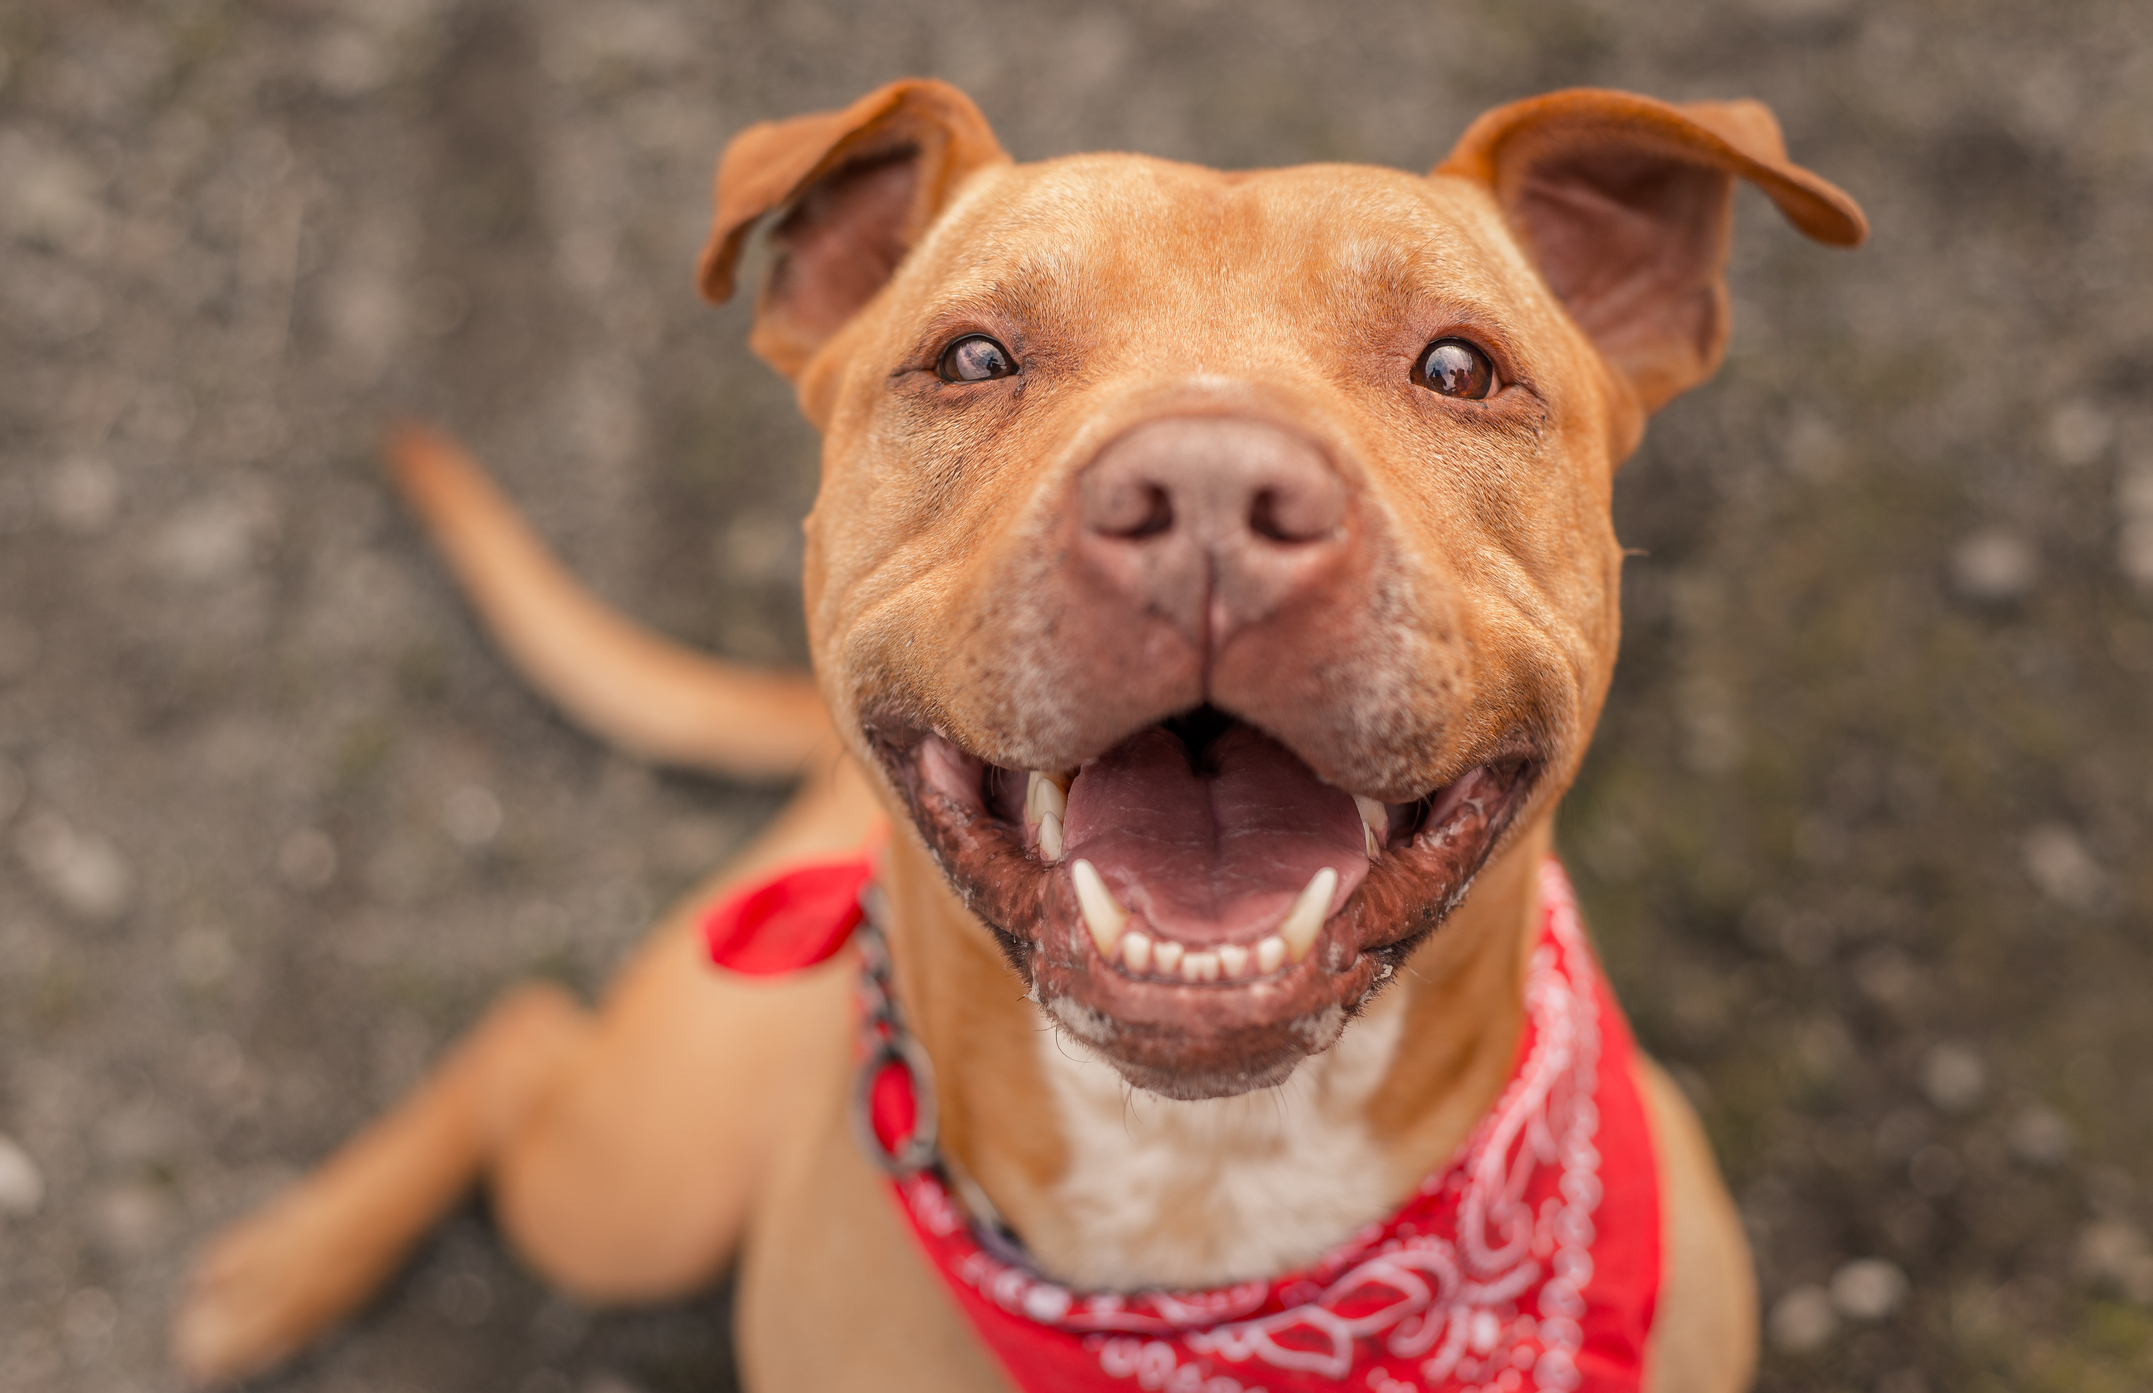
(1624,205)
(855,189)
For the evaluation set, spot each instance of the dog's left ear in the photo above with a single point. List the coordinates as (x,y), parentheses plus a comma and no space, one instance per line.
(856,188)
(1624,203)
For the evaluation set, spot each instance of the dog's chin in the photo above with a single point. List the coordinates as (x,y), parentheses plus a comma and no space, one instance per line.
(1194,905)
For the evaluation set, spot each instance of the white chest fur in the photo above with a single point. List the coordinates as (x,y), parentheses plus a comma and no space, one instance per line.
(1189,1194)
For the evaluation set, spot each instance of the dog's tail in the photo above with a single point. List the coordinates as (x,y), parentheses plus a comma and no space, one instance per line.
(637,689)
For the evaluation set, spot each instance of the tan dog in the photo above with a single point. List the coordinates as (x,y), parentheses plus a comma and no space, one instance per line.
(1216,560)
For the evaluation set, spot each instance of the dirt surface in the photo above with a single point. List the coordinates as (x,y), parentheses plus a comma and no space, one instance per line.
(1863,830)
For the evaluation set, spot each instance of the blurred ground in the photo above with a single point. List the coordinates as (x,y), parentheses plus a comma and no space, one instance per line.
(1863,830)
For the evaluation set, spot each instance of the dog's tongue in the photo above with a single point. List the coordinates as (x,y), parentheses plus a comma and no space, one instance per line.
(1215,854)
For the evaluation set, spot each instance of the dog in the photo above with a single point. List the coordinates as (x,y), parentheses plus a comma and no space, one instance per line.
(1212,589)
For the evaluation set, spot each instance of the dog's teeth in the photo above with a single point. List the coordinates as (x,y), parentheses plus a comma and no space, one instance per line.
(1270,952)
(1046,803)
(1045,795)
(1200,967)
(1305,920)
(1102,916)
(1233,960)
(1167,955)
(1136,950)
(1375,823)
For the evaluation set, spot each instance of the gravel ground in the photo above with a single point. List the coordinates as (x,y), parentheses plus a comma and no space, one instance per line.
(1862,833)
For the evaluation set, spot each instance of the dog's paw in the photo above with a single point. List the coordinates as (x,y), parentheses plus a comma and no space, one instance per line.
(269,1284)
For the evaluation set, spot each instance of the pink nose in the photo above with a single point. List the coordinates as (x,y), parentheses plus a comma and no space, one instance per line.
(1212,523)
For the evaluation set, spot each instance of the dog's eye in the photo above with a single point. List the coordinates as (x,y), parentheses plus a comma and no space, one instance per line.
(975,358)
(1455,368)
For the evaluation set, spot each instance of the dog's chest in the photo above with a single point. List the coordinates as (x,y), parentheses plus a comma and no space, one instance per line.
(1188,1194)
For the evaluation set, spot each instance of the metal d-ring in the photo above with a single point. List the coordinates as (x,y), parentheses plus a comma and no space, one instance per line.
(917,1152)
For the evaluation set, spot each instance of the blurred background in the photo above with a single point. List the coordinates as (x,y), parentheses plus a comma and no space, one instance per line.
(1862,834)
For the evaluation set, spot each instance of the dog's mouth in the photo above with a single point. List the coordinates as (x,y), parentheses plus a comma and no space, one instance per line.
(1195,903)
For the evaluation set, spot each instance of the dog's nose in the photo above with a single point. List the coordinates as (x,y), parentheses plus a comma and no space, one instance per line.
(1212,523)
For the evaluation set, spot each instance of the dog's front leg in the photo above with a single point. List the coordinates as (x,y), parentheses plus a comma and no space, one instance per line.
(270,1283)
(623,1148)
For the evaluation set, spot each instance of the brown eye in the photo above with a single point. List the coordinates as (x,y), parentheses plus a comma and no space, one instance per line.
(1455,368)
(975,358)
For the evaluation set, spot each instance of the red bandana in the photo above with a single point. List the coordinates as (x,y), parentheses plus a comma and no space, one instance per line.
(790,921)
(1530,1261)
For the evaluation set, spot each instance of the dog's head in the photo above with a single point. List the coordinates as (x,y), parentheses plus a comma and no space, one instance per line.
(1218,566)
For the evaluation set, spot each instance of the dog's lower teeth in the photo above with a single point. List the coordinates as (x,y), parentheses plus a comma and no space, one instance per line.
(1050,836)
(1136,950)
(1102,916)
(1143,956)
(1305,920)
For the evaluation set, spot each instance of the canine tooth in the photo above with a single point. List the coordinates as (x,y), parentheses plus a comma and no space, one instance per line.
(1305,920)
(1270,952)
(1167,954)
(1050,835)
(1102,916)
(1136,950)
(1375,823)
(1200,967)
(1233,959)
(1045,796)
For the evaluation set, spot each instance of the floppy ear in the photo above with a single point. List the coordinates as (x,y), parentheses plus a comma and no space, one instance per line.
(1624,203)
(856,188)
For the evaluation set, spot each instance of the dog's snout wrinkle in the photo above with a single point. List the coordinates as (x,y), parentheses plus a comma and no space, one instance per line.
(1211,523)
